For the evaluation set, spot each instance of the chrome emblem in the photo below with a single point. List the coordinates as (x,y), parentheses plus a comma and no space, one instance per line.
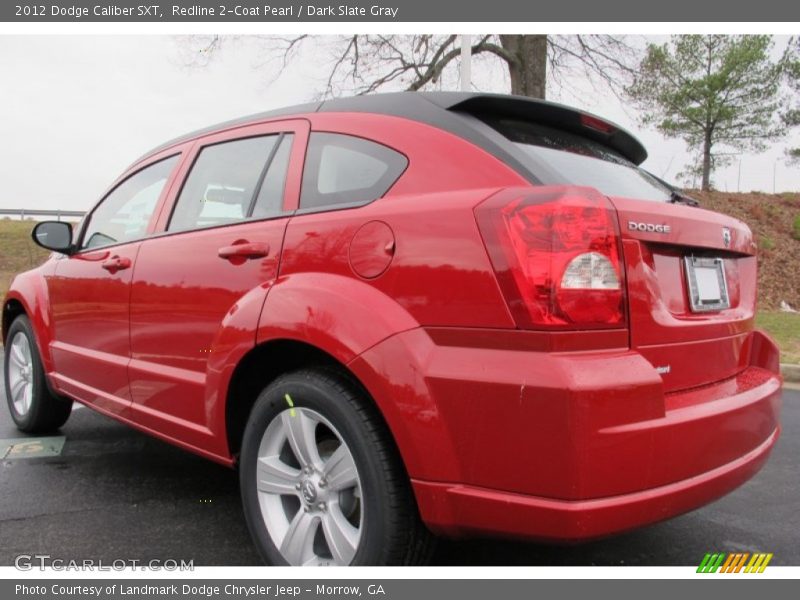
(649,227)
(726,237)
(309,491)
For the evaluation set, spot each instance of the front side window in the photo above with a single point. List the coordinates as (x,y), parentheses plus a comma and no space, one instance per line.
(233,181)
(124,214)
(347,170)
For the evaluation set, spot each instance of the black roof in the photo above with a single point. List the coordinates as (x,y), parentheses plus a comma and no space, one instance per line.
(459,113)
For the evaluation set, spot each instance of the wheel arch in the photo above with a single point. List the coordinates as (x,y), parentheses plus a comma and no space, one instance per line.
(257,369)
(308,319)
(28,295)
(12,308)
(265,363)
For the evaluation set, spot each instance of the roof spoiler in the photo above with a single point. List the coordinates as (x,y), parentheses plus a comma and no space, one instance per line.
(547,113)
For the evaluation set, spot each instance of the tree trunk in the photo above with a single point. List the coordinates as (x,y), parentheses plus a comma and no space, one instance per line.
(528,69)
(706,186)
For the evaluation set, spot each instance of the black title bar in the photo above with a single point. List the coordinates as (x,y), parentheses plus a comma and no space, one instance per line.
(264,11)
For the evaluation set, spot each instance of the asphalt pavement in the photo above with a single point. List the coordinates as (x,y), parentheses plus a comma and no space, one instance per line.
(113,493)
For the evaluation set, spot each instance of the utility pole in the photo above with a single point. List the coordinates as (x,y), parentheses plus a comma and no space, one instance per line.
(774,173)
(739,177)
(466,63)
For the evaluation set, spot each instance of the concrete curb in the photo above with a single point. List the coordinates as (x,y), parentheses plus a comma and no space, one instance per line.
(791,373)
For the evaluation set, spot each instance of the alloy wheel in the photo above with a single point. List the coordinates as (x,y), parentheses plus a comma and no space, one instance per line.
(20,373)
(309,489)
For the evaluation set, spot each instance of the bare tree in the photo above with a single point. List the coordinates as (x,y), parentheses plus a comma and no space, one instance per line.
(361,64)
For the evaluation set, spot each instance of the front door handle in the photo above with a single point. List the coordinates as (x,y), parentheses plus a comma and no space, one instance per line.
(116,263)
(242,250)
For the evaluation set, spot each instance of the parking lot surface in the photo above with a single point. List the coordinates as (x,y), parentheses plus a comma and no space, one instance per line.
(112,493)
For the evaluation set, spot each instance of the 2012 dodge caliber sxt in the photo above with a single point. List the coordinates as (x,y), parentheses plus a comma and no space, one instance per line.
(409,315)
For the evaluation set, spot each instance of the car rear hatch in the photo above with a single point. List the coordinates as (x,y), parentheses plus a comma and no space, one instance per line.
(691,288)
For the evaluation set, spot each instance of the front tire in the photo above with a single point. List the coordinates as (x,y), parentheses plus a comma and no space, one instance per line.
(33,407)
(321,481)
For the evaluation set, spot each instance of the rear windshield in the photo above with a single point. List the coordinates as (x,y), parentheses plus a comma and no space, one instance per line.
(560,157)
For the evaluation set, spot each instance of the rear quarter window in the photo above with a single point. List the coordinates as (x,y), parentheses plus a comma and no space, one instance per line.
(343,170)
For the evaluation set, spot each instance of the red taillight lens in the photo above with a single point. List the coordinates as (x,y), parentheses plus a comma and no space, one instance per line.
(556,254)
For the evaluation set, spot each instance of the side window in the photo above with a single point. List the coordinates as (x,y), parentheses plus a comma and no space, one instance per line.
(233,181)
(269,201)
(124,214)
(342,169)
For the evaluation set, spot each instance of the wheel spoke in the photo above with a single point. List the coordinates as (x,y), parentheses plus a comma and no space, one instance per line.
(27,397)
(18,354)
(300,431)
(341,536)
(16,383)
(19,398)
(13,355)
(297,544)
(340,470)
(276,477)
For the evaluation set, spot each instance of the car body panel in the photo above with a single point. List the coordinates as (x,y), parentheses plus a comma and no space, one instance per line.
(463,511)
(91,342)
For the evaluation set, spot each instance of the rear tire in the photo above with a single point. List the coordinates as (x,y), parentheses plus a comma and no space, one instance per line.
(340,498)
(33,407)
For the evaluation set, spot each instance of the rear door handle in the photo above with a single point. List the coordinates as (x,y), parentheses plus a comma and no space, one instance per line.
(244,250)
(116,263)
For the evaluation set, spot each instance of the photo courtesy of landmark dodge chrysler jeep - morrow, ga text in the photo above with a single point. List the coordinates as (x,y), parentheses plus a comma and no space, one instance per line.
(409,315)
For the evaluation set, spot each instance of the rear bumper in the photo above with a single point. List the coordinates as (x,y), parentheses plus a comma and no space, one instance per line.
(502,436)
(459,510)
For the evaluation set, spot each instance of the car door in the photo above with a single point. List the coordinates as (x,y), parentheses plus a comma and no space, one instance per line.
(89,290)
(220,242)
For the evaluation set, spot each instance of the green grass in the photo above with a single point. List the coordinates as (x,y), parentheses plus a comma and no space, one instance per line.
(17,250)
(785,328)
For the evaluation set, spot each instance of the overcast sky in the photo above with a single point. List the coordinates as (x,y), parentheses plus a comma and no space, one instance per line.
(75,111)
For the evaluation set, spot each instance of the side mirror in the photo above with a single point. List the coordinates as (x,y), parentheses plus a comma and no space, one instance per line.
(53,235)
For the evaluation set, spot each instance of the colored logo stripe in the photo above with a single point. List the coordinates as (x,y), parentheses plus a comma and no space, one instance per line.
(734,562)
(758,563)
(711,563)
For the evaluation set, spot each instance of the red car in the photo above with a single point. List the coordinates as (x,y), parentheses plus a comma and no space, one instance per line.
(400,314)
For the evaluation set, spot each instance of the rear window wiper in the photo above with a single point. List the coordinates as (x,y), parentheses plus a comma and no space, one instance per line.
(678,197)
(675,195)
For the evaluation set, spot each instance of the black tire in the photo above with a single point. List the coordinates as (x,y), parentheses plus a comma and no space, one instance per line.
(47,411)
(391,530)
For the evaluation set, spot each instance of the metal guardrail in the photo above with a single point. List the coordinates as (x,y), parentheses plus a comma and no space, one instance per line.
(22,213)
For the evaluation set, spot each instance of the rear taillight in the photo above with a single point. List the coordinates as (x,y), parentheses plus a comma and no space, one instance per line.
(556,254)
